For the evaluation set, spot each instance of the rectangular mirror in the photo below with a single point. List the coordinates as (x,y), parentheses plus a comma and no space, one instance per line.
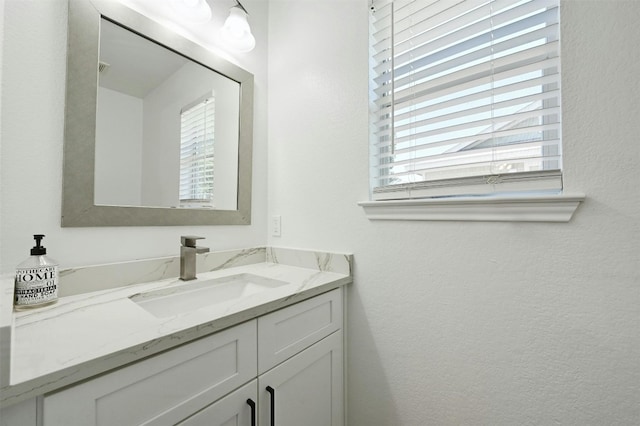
(158,130)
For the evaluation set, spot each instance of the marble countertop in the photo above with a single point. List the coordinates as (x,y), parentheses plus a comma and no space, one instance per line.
(85,334)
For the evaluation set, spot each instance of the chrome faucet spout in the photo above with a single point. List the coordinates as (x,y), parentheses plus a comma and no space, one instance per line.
(200,250)
(188,251)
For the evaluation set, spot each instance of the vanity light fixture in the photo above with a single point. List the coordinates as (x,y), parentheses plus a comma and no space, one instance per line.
(236,32)
(195,11)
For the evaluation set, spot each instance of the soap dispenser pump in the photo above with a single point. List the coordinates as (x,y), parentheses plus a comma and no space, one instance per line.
(36,281)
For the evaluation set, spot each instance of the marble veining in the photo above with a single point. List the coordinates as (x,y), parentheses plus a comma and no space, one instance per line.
(90,332)
(101,277)
(322,261)
(215,261)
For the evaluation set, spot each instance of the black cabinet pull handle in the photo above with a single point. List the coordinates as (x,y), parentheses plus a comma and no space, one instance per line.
(272,391)
(252,404)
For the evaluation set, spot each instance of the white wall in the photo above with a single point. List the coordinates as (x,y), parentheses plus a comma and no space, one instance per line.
(33,82)
(118,148)
(454,323)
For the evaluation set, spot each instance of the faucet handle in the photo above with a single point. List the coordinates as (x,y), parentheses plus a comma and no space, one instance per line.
(189,240)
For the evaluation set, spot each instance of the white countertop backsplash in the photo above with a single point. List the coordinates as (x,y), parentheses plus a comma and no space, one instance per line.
(95,327)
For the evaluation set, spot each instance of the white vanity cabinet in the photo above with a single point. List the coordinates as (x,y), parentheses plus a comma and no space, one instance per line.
(285,366)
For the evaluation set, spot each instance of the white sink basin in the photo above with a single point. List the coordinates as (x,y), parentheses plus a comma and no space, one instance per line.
(202,293)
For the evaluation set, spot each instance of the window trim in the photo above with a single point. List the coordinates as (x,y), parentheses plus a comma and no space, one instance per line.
(512,208)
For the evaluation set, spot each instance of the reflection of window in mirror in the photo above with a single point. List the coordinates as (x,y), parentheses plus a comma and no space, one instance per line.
(197,135)
(139,136)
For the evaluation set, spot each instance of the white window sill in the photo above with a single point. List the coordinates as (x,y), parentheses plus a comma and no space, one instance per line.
(525,208)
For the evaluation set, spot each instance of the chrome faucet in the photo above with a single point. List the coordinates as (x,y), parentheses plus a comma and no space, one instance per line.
(188,251)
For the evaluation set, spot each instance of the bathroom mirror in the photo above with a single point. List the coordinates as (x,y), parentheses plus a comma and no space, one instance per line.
(135,90)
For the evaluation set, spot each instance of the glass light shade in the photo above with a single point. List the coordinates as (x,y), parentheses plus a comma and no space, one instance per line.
(195,11)
(236,32)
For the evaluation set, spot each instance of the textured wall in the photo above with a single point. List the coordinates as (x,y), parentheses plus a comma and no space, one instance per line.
(470,323)
(33,82)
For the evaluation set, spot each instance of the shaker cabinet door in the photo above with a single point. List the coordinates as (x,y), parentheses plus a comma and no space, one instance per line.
(163,389)
(306,389)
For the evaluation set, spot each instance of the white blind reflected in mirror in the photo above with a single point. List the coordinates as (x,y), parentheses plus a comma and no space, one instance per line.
(197,135)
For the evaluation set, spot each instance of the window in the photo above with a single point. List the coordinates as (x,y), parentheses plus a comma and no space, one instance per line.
(197,153)
(465,97)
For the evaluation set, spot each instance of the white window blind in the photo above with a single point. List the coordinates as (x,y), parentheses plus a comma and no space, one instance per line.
(197,151)
(465,97)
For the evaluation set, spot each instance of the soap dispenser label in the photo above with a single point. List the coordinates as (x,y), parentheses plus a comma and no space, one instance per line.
(36,286)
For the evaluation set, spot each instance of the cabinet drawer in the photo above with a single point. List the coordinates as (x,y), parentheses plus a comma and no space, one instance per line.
(286,332)
(163,389)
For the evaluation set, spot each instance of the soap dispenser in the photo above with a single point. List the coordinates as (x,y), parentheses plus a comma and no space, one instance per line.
(36,281)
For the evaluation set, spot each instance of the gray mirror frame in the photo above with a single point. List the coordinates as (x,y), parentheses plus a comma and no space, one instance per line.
(78,208)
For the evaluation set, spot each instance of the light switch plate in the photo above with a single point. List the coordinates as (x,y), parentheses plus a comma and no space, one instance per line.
(276,226)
